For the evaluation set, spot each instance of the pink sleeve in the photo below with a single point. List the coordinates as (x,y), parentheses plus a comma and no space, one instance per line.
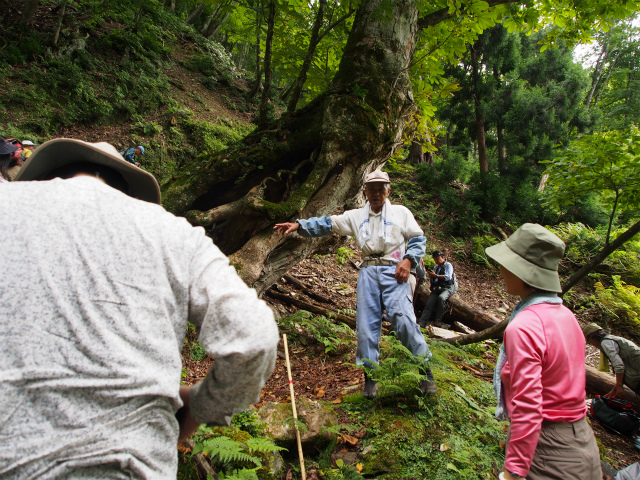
(524,342)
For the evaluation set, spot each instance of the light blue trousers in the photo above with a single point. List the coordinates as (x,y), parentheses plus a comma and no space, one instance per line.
(378,290)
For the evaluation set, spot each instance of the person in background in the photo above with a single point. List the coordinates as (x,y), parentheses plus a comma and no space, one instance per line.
(443,285)
(622,354)
(539,378)
(28,147)
(391,242)
(90,368)
(9,166)
(130,154)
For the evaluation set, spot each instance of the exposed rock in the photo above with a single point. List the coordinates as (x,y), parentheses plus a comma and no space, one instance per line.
(316,416)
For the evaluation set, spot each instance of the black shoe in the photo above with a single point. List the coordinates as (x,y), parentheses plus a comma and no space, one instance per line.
(428,387)
(370,388)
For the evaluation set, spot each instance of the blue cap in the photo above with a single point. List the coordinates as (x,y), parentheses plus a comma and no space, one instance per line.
(141,149)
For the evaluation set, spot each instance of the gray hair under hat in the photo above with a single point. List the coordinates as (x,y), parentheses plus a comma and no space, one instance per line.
(532,254)
(60,152)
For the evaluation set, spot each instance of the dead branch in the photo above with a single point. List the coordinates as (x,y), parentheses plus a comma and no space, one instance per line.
(204,467)
(314,308)
(494,332)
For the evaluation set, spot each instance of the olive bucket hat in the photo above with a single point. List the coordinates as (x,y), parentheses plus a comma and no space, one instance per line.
(60,152)
(532,254)
(590,328)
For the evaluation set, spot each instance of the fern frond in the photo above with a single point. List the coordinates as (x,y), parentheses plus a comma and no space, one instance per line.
(228,451)
(244,474)
(262,445)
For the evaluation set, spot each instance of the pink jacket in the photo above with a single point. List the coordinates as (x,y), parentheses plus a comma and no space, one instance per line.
(544,378)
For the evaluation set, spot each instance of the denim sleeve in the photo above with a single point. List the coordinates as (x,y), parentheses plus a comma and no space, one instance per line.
(314,226)
(416,248)
(448,271)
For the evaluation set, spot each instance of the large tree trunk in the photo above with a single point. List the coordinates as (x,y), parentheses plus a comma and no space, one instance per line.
(313,162)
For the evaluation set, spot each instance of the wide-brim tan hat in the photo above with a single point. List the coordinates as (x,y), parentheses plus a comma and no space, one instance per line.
(59,152)
(377,176)
(532,254)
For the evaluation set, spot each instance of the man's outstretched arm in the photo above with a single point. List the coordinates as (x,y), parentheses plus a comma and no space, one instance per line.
(312,227)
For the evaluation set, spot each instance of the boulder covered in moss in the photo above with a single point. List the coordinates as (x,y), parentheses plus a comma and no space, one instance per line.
(314,421)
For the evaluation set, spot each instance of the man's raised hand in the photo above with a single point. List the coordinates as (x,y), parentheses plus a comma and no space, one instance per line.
(287,227)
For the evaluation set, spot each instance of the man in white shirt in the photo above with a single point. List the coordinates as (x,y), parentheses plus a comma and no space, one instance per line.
(391,242)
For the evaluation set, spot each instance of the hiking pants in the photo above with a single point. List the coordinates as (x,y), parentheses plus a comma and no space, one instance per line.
(378,290)
(437,300)
(566,451)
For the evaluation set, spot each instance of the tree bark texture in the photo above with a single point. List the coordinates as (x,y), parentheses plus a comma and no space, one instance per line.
(314,161)
(416,155)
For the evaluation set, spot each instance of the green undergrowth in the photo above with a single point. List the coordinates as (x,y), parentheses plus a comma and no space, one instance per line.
(109,69)
(233,452)
(306,329)
(406,435)
(583,242)
(191,347)
(621,304)
(450,435)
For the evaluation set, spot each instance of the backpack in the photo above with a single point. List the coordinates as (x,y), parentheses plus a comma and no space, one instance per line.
(615,414)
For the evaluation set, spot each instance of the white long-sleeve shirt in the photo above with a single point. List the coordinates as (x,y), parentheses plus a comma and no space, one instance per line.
(96,289)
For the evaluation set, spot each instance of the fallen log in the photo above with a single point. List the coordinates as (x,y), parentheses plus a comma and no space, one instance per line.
(462,328)
(457,309)
(312,307)
(599,383)
(494,332)
(474,318)
(441,333)
(306,289)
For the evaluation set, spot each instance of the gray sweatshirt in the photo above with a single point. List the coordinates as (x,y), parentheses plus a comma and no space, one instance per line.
(96,289)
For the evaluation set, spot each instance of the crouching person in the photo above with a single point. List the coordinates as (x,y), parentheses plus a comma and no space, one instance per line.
(381,231)
(443,285)
(90,367)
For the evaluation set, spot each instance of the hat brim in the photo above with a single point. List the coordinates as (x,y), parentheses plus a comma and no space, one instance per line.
(59,152)
(529,273)
(6,148)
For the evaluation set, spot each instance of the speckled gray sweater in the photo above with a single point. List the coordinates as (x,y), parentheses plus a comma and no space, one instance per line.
(95,292)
